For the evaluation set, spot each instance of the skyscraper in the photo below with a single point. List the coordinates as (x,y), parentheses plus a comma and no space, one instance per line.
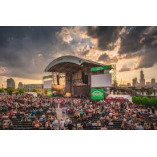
(142,79)
(20,85)
(134,82)
(153,82)
(10,83)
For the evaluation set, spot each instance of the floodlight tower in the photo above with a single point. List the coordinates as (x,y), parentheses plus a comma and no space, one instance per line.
(114,77)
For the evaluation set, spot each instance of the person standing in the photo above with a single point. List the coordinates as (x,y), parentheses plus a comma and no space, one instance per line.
(81,113)
(62,124)
(139,126)
(153,110)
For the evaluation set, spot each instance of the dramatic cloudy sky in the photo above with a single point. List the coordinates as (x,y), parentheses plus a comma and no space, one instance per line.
(26,51)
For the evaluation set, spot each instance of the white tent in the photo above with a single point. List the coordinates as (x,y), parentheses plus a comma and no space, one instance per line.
(34,94)
(128,97)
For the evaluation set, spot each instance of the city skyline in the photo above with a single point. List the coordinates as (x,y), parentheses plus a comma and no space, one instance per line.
(136,81)
(25,51)
(142,82)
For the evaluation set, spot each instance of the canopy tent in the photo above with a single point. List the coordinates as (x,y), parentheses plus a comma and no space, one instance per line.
(109,99)
(119,97)
(34,94)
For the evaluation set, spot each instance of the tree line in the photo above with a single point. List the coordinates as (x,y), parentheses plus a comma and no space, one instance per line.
(10,91)
(147,101)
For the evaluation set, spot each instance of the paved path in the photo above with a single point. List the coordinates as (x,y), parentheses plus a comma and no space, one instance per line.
(59,114)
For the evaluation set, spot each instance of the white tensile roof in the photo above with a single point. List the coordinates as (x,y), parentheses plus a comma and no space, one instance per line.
(69,64)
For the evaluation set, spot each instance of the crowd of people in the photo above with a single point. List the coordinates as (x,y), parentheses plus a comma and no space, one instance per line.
(77,114)
(104,114)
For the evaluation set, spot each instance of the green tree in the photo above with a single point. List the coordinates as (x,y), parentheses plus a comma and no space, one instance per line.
(145,101)
(1,90)
(10,91)
(38,94)
(34,90)
(21,91)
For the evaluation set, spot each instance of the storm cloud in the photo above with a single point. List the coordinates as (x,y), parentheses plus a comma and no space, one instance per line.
(140,42)
(26,51)
(135,41)
(106,59)
(106,35)
(131,40)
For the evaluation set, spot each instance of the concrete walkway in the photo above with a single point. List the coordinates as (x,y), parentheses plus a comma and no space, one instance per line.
(59,114)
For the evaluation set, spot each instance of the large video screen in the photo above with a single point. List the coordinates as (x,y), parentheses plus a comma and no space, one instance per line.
(101,80)
(48,84)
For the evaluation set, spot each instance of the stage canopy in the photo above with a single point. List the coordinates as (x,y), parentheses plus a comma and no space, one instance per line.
(69,63)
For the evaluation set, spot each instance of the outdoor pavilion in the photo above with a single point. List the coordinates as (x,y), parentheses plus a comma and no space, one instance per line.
(76,71)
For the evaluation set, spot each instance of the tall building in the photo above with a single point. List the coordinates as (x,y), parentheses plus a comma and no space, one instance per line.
(20,85)
(31,87)
(142,79)
(134,82)
(148,84)
(10,83)
(128,84)
(153,82)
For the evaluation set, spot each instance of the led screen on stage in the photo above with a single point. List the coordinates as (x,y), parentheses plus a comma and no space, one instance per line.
(101,80)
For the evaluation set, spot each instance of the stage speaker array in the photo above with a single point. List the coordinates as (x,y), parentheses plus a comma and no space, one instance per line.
(84,78)
(58,80)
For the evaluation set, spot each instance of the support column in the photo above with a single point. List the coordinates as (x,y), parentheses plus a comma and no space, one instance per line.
(68,83)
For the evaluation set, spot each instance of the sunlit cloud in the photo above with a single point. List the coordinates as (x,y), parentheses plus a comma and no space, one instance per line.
(26,51)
